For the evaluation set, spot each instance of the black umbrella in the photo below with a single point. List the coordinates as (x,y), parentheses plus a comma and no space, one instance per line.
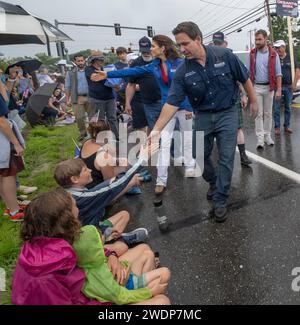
(38,101)
(27,65)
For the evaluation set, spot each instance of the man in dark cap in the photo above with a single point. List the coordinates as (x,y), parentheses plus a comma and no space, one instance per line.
(219,39)
(149,89)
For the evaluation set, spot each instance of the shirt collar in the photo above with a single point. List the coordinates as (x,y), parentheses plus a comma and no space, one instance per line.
(263,52)
(208,52)
(77,189)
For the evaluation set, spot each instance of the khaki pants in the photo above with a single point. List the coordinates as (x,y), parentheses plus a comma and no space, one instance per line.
(264,120)
(80,110)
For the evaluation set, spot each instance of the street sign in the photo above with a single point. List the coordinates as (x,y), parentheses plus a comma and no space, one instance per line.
(287,8)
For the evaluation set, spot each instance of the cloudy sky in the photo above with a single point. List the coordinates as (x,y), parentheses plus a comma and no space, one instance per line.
(163,15)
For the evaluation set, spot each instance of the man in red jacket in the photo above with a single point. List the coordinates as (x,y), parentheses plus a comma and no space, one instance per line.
(265,73)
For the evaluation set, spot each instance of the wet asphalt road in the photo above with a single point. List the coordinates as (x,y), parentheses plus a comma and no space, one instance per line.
(250,258)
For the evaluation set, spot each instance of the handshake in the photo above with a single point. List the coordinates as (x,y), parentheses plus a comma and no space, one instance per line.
(150,148)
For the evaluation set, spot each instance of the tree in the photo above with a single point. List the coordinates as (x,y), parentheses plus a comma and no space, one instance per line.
(46,60)
(280,31)
(3,65)
(110,58)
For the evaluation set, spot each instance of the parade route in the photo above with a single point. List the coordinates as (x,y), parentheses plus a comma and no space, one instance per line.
(250,258)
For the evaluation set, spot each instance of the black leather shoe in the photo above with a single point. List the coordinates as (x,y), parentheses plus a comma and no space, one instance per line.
(210,193)
(221,214)
(245,161)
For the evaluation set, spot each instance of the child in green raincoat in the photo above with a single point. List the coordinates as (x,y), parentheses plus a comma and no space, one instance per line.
(130,279)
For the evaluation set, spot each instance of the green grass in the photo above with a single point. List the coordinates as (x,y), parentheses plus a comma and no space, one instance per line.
(44,149)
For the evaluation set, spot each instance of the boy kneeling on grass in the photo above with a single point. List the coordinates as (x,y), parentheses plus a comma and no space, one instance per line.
(73,175)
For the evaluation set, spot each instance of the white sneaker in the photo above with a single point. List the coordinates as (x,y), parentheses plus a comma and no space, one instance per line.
(25,202)
(27,189)
(190,173)
(269,141)
(179,161)
(260,144)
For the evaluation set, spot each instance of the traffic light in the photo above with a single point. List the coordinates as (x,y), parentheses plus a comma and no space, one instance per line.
(63,49)
(150,31)
(118,29)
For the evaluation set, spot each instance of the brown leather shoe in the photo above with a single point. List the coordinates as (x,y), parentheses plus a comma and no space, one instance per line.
(159,189)
(277,131)
(288,130)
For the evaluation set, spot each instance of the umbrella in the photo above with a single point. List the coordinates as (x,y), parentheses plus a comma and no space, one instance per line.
(27,65)
(20,27)
(38,101)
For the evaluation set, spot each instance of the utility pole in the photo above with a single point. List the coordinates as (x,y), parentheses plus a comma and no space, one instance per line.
(267,4)
(251,31)
(291,46)
(58,44)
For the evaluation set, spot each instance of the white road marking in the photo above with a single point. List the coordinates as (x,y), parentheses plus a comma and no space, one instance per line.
(279,169)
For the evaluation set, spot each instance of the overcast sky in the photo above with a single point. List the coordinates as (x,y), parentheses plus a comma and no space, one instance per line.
(163,15)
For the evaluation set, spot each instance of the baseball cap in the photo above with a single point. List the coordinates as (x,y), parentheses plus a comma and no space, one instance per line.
(145,44)
(218,37)
(279,43)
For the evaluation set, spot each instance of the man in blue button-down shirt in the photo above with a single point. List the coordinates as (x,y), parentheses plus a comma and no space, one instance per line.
(77,90)
(209,76)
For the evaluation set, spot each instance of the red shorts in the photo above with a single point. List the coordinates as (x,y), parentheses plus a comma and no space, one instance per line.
(16,165)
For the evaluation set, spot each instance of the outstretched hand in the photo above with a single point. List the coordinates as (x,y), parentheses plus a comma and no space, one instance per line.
(148,150)
(98,75)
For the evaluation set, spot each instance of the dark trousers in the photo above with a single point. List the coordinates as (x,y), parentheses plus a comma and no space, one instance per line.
(223,127)
(107,109)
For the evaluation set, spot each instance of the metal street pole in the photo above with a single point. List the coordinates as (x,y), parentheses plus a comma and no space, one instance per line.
(58,44)
(270,21)
(291,46)
(252,33)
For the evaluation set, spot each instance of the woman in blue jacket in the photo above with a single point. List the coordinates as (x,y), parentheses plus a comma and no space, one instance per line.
(163,67)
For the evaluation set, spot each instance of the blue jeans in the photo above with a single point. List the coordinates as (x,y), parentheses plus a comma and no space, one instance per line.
(152,112)
(223,126)
(287,96)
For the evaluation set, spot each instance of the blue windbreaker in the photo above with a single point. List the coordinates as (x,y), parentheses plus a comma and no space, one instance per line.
(154,68)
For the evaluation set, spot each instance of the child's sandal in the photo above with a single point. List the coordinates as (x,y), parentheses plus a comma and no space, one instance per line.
(156,260)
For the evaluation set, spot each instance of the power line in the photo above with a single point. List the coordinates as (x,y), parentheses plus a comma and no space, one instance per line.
(215,17)
(239,18)
(250,14)
(196,14)
(218,5)
(241,27)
